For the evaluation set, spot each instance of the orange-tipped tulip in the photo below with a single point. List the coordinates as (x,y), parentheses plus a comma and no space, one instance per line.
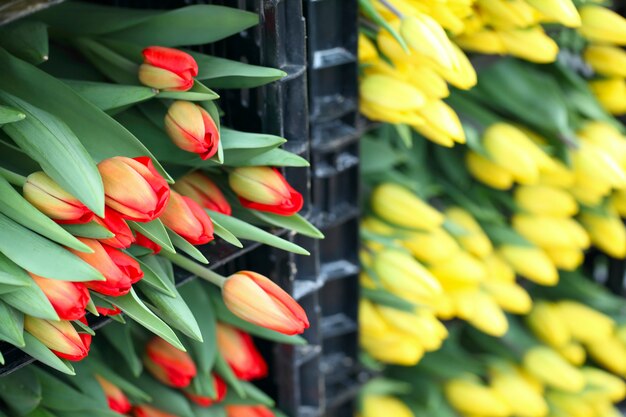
(60,337)
(188,219)
(167,69)
(144,410)
(265,189)
(203,191)
(134,188)
(192,129)
(220,388)
(115,224)
(169,365)
(141,240)
(119,270)
(52,200)
(117,400)
(258,300)
(68,299)
(240,353)
(248,411)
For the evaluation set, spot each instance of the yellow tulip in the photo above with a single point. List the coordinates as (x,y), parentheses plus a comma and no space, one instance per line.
(431,247)
(611,93)
(570,404)
(393,347)
(382,114)
(530,262)
(380,405)
(473,398)
(613,386)
(488,172)
(509,296)
(443,306)
(367,50)
(473,239)
(461,268)
(559,175)
(399,206)
(464,75)
(562,11)
(442,125)
(498,269)
(567,259)
(422,325)
(610,353)
(391,93)
(518,393)
(425,36)
(507,147)
(602,25)
(551,232)
(531,44)
(573,352)
(606,231)
(427,81)
(584,323)
(545,322)
(371,322)
(607,137)
(487,316)
(484,41)
(545,200)
(508,14)
(606,60)
(547,365)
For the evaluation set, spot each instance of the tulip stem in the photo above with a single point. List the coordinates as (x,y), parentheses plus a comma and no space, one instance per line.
(13,177)
(195,268)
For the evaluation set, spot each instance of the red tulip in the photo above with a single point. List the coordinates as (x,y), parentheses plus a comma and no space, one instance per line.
(60,337)
(145,410)
(119,270)
(188,219)
(115,224)
(68,299)
(48,197)
(192,129)
(134,188)
(103,311)
(141,240)
(265,189)
(167,69)
(240,353)
(258,300)
(117,400)
(248,411)
(220,392)
(203,191)
(167,364)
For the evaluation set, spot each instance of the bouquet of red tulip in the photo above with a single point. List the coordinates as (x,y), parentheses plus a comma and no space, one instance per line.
(113,160)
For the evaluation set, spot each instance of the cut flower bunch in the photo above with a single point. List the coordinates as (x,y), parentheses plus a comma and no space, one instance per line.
(482,262)
(114,167)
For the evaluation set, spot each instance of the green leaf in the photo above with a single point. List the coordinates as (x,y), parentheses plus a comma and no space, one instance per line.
(222,232)
(131,305)
(224,370)
(119,336)
(11,325)
(234,139)
(10,115)
(186,247)
(91,230)
(107,96)
(14,281)
(41,256)
(225,315)
(59,396)
(173,311)
(377,155)
(26,39)
(273,157)
(39,412)
(85,382)
(122,383)
(225,73)
(247,231)
(16,207)
(37,350)
(102,136)
(31,301)
(387,299)
(213,411)
(163,268)
(113,65)
(21,391)
(296,223)
(164,398)
(154,231)
(153,279)
(199,92)
(191,25)
(50,142)
(196,297)
(252,396)
(370,11)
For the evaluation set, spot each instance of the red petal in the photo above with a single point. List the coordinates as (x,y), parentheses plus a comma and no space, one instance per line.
(171,59)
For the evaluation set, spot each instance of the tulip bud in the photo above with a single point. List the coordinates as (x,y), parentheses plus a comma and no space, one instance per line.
(115,397)
(203,191)
(134,188)
(585,323)
(606,60)
(518,393)
(185,217)
(143,241)
(573,352)
(48,197)
(511,149)
(265,189)
(473,398)
(167,69)
(144,410)
(441,123)
(192,129)
(473,239)
(614,386)
(220,388)
(380,405)
(103,311)
(367,50)
(68,299)
(240,353)
(119,270)
(393,347)
(562,11)
(510,296)
(391,93)
(609,353)
(530,262)
(258,300)
(60,337)
(607,232)
(531,44)
(547,325)
(167,364)
(611,93)
(548,366)
(425,36)
(488,172)
(392,202)
(431,247)
(545,200)
(115,224)
(248,411)
(602,25)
